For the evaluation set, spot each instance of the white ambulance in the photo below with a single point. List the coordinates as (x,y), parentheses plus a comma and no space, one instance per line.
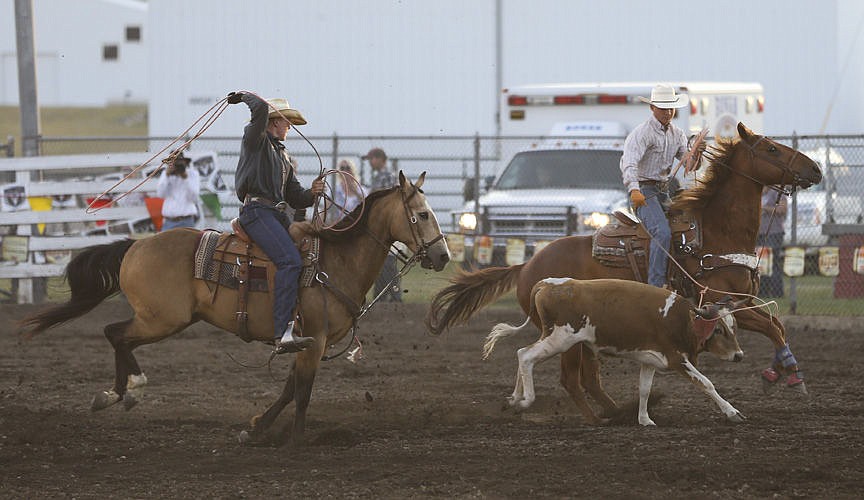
(564,178)
(534,109)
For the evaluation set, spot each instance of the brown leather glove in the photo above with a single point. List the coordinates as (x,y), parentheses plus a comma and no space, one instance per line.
(637,199)
(317,186)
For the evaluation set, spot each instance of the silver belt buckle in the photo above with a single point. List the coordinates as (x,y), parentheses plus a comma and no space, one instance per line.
(281,206)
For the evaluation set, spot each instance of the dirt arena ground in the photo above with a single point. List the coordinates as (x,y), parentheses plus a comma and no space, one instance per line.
(419,416)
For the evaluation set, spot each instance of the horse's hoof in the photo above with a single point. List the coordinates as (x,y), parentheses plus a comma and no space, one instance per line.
(800,388)
(252,438)
(129,401)
(100,401)
(103,400)
(736,417)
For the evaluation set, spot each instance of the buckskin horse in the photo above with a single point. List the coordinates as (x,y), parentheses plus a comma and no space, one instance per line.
(156,274)
(726,204)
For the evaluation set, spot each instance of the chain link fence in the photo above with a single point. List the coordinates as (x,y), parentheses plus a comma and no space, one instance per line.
(823,248)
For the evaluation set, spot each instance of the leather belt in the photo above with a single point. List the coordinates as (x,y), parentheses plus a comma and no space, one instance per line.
(653,182)
(177,219)
(265,201)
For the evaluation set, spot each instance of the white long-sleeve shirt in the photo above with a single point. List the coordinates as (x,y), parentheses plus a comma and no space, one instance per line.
(649,152)
(181,195)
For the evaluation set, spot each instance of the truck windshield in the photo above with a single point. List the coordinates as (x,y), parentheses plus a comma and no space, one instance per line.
(564,168)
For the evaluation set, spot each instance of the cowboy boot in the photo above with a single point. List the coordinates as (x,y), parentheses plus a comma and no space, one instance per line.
(292,343)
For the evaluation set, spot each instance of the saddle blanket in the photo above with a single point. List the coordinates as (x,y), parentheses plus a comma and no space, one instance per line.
(217,263)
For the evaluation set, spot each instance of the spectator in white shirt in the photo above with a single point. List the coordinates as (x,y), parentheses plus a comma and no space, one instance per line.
(179,186)
(347,191)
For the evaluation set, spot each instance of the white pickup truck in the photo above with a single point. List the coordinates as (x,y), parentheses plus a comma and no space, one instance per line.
(551,189)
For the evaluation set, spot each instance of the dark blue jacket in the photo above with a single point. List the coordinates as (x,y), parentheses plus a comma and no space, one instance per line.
(264,160)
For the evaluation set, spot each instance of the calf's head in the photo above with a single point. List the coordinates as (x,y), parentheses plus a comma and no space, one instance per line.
(716,328)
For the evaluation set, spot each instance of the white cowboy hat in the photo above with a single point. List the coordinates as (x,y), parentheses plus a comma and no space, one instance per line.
(663,96)
(283,109)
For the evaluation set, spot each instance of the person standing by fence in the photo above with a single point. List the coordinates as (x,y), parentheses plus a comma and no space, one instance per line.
(771,233)
(179,187)
(383,178)
(348,192)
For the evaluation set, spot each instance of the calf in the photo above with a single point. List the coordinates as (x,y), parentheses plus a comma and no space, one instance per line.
(627,319)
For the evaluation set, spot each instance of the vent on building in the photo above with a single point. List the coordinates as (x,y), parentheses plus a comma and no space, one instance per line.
(133,33)
(109,53)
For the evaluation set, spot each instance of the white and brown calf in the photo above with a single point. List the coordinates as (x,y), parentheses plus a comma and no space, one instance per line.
(627,319)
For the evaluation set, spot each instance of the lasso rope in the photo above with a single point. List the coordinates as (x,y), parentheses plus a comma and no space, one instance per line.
(209,117)
(214,112)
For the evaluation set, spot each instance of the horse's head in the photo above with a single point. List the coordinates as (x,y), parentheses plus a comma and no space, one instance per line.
(418,228)
(772,163)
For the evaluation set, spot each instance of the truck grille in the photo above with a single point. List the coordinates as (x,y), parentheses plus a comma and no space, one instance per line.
(533,227)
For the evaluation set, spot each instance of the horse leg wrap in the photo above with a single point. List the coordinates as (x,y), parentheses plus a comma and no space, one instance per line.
(136,381)
(784,357)
(770,375)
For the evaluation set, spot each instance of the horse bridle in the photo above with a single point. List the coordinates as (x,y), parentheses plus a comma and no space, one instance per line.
(785,167)
(416,233)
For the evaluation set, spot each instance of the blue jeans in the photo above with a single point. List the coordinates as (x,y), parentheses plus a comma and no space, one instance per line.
(654,219)
(388,272)
(188,221)
(268,228)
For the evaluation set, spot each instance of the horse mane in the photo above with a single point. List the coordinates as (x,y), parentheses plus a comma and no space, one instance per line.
(698,196)
(347,227)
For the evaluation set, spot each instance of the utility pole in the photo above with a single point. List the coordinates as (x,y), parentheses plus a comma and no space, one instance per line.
(29,290)
(27,97)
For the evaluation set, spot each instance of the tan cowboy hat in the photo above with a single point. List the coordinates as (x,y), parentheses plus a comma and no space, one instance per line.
(285,109)
(663,96)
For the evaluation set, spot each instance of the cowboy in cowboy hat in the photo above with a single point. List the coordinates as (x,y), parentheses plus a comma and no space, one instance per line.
(265,182)
(646,164)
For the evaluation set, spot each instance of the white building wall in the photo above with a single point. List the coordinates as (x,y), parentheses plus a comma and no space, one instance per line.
(371,67)
(790,46)
(69,36)
(389,67)
(412,67)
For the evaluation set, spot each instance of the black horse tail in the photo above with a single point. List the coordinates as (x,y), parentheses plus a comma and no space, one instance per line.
(468,293)
(93,275)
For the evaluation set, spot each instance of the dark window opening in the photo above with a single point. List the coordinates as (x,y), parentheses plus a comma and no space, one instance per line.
(133,33)
(109,52)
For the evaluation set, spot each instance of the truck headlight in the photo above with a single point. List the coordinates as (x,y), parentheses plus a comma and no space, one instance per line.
(468,221)
(596,220)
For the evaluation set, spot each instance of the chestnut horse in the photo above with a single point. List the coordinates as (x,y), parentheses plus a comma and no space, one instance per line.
(156,275)
(727,202)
